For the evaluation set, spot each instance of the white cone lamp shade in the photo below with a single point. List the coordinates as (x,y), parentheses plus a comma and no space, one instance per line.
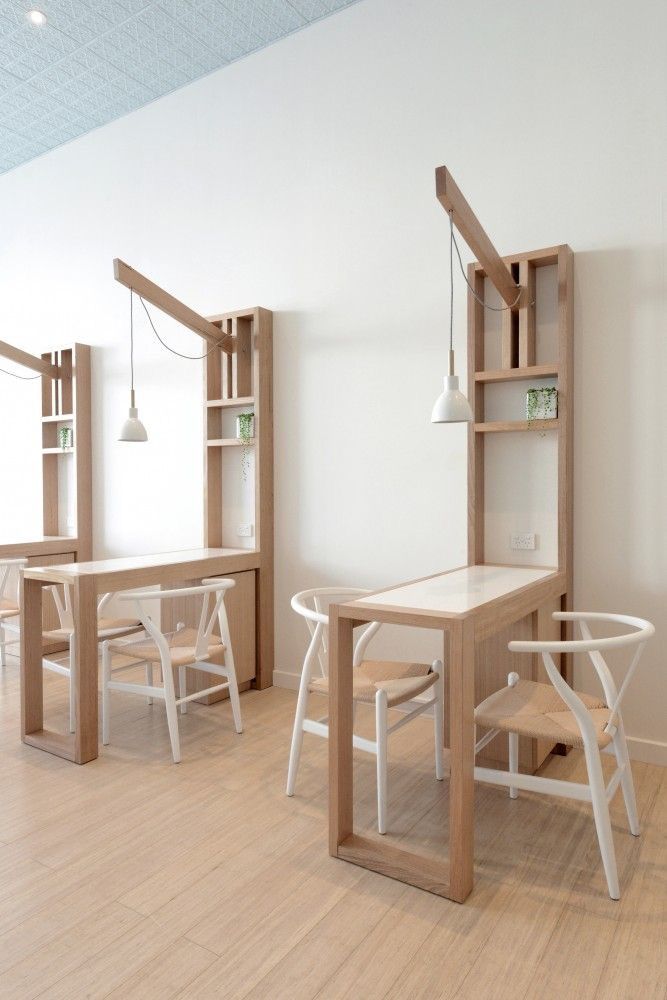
(133,429)
(451,406)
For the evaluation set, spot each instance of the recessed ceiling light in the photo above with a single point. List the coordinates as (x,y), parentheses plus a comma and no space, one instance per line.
(37,18)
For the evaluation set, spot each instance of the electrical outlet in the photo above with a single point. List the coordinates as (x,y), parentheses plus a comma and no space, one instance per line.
(522,540)
(244,531)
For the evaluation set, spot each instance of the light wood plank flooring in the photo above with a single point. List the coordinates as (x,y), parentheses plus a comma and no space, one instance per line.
(132,877)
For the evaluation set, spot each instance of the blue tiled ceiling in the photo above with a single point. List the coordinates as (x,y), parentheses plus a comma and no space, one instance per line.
(95,60)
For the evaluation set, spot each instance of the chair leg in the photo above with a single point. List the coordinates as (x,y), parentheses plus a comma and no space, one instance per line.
(297,736)
(3,649)
(149,679)
(182,689)
(106,677)
(234,698)
(602,821)
(513,761)
(172,722)
(72,678)
(439,719)
(627,784)
(381,752)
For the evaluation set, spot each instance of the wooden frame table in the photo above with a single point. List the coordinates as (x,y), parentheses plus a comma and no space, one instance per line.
(87,580)
(469,605)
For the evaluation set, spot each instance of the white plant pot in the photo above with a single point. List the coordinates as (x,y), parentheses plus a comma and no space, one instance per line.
(541,404)
(250,424)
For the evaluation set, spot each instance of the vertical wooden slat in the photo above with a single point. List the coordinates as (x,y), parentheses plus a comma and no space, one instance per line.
(341,790)
(461,660)
(476,398)
(242,356)
(510,332)
(566,433)
(263,392)
(226,365)
(84,607)
(80,401)
(50,494)
(527,314)
(32,706)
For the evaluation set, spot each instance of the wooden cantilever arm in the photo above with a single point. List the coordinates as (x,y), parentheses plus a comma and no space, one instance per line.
(157,296)
(28,360)
(471,230)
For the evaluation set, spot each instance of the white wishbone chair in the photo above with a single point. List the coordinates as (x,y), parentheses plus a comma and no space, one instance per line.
(557,713)
(10,604)
(106,627)
(386,684)
(185,647)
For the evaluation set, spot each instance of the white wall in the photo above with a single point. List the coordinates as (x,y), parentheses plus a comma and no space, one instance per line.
(301,179)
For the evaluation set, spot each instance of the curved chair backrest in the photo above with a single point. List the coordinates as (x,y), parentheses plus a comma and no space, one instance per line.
(6,568)
(636,640)
(62,598)
(211,590)
(313,606)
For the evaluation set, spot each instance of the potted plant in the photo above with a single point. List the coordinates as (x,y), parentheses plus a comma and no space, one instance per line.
(541,404)
(245,432)
(65,437)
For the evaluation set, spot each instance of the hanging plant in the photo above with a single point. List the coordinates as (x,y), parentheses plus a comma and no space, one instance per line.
(245,432)
(65,437)
(541,404)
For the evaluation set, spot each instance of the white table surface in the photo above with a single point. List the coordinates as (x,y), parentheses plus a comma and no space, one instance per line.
(460,590)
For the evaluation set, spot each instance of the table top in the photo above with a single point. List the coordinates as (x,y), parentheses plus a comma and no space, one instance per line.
(162,564)
(457,592)
(39,545)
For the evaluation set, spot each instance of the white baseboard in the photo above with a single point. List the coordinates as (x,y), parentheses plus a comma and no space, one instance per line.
(286,679)
(646,751)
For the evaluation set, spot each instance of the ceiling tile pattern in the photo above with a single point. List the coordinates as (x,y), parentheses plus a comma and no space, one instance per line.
(96,60)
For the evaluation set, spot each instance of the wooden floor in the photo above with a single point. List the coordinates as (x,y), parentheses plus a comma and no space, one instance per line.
(132,877)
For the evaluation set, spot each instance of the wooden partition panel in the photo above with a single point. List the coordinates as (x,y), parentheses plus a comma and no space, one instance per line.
(234,383)
(518,354)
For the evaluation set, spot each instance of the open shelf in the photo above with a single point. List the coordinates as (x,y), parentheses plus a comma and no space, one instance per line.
(517,374)
(496,426)
(229,442)
(57,451)
(239,401)
(58,418)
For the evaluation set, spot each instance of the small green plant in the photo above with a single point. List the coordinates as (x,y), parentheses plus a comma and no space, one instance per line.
(65,437)
(541,404)
(245,430)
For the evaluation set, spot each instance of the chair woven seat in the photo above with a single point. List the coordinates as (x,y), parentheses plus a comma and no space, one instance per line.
(8,609)
(401,681)
(537,710)
(103,625)
(182,647)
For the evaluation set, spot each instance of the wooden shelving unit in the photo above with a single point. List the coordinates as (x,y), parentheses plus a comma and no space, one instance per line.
(518,356)
(66,402)
(66,520)
(238,375)
(243,380)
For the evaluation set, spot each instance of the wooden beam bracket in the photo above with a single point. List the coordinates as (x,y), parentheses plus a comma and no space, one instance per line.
(28,360)
(471,230)
(157,296)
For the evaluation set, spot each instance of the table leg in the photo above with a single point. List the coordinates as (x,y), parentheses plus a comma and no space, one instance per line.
(32,704)
(341,805)
(462,757)
(84,608)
